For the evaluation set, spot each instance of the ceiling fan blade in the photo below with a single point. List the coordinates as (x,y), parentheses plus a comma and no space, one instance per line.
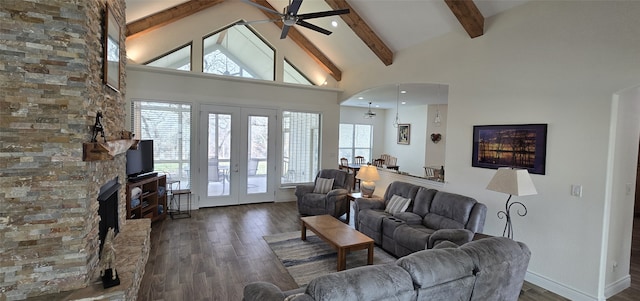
(262,7)
(285,31)
(313,27)
(293,8)
(256,21)
(323,14)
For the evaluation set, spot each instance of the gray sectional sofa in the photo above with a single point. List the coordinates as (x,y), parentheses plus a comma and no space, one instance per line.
(433,216)
(486,269)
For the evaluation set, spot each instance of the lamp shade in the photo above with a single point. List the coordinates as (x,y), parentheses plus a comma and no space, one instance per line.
(512,181)
(368,173)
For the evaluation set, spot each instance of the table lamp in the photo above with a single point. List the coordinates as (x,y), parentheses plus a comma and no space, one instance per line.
(512,181)
(368,174)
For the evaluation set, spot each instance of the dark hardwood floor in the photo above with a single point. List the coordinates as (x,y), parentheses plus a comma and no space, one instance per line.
(216,252)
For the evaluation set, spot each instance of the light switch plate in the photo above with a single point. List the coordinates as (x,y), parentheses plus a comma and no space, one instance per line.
(576,190)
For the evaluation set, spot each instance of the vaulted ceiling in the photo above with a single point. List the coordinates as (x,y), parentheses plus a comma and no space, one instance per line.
(372,30)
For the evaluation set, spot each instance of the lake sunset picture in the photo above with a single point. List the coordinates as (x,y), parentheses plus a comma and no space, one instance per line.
(521,146)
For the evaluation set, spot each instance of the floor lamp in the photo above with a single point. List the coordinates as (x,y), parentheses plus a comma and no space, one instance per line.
(516,182)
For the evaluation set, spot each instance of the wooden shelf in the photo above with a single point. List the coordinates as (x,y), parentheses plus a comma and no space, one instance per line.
(100,151)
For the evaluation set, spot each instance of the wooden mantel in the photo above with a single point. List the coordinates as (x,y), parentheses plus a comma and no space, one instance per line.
(101,151)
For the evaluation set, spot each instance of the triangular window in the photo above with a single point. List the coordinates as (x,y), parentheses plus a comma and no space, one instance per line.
(293,75)
(178,59)
(238,51)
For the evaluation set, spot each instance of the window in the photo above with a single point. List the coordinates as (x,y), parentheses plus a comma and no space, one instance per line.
(355,140)
(300,147)
(238,51)
(178,59)
(293,75)
(169,125)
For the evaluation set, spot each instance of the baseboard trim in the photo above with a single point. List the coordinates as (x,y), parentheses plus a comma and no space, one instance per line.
(618,286)
(558,288)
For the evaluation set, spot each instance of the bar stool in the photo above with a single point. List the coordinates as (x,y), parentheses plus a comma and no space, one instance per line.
(176,200)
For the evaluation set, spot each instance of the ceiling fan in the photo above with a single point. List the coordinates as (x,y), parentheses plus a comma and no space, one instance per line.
(291,17)
(369,114)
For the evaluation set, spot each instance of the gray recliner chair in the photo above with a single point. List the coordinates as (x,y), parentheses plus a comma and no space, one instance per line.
(334,202)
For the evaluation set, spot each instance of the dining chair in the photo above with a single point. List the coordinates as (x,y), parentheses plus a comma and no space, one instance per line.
(378,162)
(344,162)
(359,160)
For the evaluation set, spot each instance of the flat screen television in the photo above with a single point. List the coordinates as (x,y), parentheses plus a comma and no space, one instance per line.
(140,161)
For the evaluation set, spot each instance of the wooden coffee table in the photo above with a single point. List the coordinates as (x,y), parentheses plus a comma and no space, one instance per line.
(338,235)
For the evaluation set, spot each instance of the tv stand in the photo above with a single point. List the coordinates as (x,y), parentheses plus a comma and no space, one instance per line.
(152,203)
(141,177)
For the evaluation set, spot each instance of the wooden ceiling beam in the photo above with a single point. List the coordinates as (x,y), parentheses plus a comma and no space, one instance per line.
(468,15)
(363,31)
(305,44)
(167,16)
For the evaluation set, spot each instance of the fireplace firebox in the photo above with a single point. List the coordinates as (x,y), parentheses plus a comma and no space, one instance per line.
(108,209)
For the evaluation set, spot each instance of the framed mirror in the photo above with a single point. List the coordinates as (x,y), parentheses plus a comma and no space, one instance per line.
(111,45)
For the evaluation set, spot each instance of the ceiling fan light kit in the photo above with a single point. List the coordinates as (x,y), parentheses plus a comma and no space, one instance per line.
(369,114)
(290,17)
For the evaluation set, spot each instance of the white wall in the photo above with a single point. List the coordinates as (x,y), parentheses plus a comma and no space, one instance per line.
(619,203)
(355,116)
(554,62)
(150,83)
(435,152)
(410,156)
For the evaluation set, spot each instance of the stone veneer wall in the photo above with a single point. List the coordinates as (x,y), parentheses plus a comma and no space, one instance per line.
(50,90)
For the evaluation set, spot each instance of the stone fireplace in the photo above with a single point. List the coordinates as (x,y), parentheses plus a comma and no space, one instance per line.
(50,92)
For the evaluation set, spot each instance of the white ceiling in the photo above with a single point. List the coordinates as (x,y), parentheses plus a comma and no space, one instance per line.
(399,23)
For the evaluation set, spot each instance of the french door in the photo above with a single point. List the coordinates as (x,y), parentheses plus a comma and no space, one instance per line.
(237,147)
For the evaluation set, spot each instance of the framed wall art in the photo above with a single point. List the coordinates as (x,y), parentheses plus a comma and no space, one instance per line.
(519,145)
(404,133)
(111,50)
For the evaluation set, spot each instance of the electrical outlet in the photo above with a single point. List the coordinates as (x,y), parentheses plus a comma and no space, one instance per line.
(576,190)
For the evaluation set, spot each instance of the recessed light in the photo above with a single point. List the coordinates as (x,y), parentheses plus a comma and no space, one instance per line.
(403,92)
(334,23)
(377,106)
(404,102)
(360,97)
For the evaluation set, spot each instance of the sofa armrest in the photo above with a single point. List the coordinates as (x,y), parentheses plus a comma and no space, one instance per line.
(303,189)
(337,192)
(369,203)
(262,291)
(409,217)
(457,236)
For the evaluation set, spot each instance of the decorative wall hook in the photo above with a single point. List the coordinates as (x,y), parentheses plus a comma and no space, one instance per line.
(436,137)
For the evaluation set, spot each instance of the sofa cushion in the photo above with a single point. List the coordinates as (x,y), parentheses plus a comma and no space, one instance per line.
(397,204)
(411,238)
(438,222)
(377,282)
(370,223)
(501,265)
(422,202)
(449,210)
(432,267)
(403,189)
(323,185)
(445,274)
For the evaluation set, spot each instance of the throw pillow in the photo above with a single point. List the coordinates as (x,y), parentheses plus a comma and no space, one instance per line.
(323,185)
(397,204)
